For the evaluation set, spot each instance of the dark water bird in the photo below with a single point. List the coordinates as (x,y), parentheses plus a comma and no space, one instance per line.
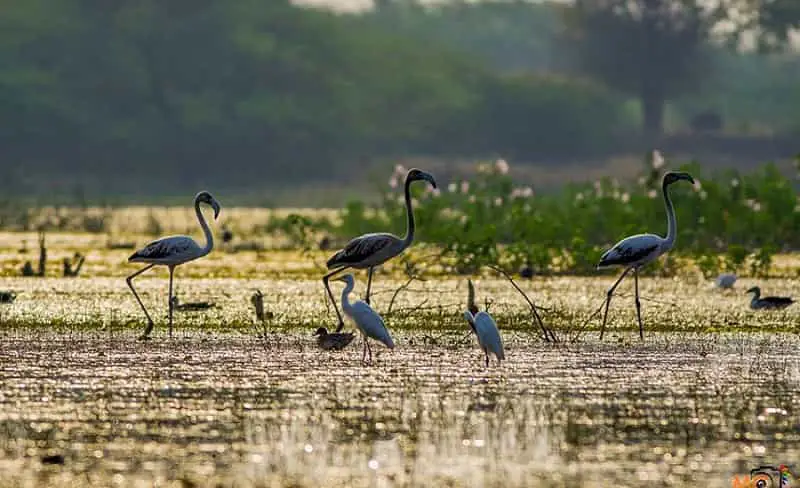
(767,303)
(333,341)
(227,235)
(366,319)
(171,252)
(371,250)
(636,251)
(526,271)
(191,306)
(7,296)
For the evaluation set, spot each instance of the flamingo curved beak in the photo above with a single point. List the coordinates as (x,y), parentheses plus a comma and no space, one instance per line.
(215,205)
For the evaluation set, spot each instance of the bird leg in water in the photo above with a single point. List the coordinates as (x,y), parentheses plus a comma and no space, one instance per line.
(638,304)
(171,304)
(369,349)
(486,352)
(369,283)
(364,349)
(129,280)
(330,295)
(609,294)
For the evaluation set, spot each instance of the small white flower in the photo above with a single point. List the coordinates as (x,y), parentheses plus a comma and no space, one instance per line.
(697,185)
(658,160)
(527,192)
(452,187)
(399,170)
(472,199)
(735,182)
(498,202)
(757,207)
(436,192)
(642,180)
(625,197)
(651,194)
(465,187)
(463,219)
(579,197)
(501,166)
(393,182)
(703,195)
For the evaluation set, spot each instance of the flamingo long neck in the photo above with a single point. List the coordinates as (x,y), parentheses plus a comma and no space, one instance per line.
(409,237)
(672,225)
(346,306)
(209,238)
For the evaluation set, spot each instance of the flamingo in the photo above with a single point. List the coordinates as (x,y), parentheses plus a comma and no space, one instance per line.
(635,251)
(774,303)
(171,252)
(367,320)
(371,250)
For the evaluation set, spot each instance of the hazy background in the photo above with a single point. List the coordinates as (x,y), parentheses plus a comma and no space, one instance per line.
(273,103)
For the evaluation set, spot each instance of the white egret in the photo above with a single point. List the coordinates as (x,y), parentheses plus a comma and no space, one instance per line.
(333,340)
(485,329)
(774,303)
(171,252)
(635,251)
(371,250)
(366,319)
(725,281)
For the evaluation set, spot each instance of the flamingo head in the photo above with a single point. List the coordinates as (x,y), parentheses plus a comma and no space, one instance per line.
(673,176)
(755,290)
(208,199)
(415,174)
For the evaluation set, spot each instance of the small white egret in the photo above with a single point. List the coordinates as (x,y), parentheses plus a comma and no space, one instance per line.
(171,252)
(769,303)
(725,281)
(366,319)
(635,251)
(334,340)
(371,250)
(485,328)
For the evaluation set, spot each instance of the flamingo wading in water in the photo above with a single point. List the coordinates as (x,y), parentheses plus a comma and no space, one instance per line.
(171,252)
(371,250)
(635,251)
(367,320)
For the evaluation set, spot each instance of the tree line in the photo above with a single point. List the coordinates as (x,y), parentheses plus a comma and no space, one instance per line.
(149,96)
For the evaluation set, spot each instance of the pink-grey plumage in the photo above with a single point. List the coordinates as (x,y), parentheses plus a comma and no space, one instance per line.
(636,251)
(371,250)
(171,252)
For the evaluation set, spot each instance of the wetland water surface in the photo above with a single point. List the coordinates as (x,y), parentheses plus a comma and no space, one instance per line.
(678,410)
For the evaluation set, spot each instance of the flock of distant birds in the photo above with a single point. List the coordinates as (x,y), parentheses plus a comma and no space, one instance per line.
(371,250)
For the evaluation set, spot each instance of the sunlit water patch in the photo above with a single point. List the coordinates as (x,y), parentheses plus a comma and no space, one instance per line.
(674,411)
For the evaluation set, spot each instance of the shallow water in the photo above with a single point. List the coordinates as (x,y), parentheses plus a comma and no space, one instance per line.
(674,411)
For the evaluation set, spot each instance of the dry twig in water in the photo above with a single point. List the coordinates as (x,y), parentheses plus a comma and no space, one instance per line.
(548,334)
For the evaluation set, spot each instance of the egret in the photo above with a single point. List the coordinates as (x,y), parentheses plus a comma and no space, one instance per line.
(484,327)
(371,250)
(171,252)
(334,340)
(725,280)
(367,320)
(635,251)
(774,303)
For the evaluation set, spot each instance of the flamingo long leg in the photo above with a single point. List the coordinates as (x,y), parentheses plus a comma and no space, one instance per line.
(486,352)
(369,283)
(330,295)
(608,300)
(369,349)
(638,304)
(129,280)
(171,273)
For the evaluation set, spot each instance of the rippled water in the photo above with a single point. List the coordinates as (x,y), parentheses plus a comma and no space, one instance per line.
(244,412)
